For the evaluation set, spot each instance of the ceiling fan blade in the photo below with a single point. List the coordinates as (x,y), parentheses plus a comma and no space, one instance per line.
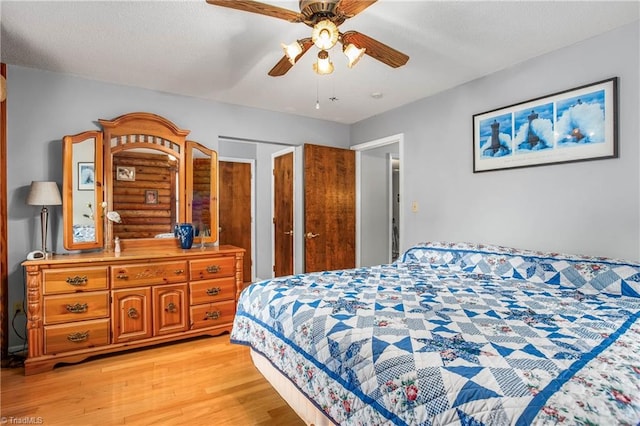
(260,8)
(350,8)
(375,49)
(283,65)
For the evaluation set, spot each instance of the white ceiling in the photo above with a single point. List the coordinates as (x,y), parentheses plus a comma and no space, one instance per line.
(196,49)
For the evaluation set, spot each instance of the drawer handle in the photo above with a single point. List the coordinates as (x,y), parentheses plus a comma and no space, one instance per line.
(179,271)
(171,308)
(122,276)
(77,280)
(212,269)
(133,313)
(212,315)
(78,308)
(78,337)
(213,291)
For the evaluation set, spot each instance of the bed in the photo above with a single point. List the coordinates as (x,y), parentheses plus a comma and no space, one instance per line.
(453,334)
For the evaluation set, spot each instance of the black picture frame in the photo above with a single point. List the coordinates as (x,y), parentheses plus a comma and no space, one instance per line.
(578,124)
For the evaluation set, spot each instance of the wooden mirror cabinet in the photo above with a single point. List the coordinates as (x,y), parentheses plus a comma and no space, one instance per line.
(97,299)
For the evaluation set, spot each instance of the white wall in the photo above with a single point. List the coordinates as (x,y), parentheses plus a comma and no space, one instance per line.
(590,207)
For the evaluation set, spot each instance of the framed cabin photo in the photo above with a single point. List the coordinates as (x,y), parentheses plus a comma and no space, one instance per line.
(126,173)
(574,125)
(151,196)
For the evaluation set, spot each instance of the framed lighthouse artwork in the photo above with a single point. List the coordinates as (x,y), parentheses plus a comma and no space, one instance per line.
(574,125)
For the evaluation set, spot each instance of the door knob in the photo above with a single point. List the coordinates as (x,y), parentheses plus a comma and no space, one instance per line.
(311,235)
(288,232)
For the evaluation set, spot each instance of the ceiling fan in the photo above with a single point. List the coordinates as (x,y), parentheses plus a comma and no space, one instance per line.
(324,16)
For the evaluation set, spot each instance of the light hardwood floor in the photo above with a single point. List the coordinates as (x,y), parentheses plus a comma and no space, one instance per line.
(205,381)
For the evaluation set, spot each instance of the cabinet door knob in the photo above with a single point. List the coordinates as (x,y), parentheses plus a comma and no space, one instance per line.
(171,308)
(122,276)
(133,313)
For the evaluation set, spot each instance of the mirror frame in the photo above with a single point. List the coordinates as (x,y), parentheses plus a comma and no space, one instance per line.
(141,130)
(213,189)
(69,186)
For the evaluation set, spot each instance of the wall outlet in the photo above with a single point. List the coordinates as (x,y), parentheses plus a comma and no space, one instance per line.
(17,307)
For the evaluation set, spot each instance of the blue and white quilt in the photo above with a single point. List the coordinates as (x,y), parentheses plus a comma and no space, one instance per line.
(457,334)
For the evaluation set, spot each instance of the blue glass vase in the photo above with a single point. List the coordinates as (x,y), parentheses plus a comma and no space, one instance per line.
(184,231)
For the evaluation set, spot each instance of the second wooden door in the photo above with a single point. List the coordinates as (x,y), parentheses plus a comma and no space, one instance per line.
(234,197)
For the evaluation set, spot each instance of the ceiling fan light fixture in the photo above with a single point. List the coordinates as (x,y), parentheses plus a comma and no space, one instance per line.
(292,51)
(353,54)
(324,64)
(325,34)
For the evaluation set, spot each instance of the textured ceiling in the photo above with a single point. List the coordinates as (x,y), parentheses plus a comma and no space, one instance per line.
(195,49)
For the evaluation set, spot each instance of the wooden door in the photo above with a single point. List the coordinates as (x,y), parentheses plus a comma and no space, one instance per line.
(329,208)
(234,195)
(283,214)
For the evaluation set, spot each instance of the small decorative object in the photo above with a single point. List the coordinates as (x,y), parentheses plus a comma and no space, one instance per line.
(117,245)
(185,234)
(151,196)
(126,173)
(574,125)
(112,216)
(86,178)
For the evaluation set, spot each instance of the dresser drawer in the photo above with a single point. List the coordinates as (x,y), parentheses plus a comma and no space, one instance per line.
(78,335)
(75,279)
(135,275)
(215,267)
(212,314)
(212,290)
(76,307)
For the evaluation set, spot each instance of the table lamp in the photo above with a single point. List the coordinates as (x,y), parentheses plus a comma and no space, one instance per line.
(44,194)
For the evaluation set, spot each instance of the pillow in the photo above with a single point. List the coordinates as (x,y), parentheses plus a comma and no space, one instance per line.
(589,275)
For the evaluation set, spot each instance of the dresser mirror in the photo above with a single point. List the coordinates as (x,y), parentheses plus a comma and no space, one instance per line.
(82,189)
(153,178)
(202,181)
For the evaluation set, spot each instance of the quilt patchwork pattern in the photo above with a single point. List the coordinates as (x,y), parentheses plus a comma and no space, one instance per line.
(590,275)
(416,343)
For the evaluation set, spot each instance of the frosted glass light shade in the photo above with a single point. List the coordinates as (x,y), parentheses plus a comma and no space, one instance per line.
(324,64)
(324,34)
(353,54)
(292,51)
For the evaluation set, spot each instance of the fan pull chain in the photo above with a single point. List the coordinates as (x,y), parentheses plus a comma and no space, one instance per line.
(317,94)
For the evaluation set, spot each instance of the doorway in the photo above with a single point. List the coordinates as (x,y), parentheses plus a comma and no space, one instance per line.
(379,183)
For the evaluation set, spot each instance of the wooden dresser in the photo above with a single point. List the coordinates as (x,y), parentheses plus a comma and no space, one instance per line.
(85,304)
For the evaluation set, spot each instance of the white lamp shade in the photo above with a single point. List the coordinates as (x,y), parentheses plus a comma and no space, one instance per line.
(44,194)
(325,34)
(324,64)
(292,51)
(353,54)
